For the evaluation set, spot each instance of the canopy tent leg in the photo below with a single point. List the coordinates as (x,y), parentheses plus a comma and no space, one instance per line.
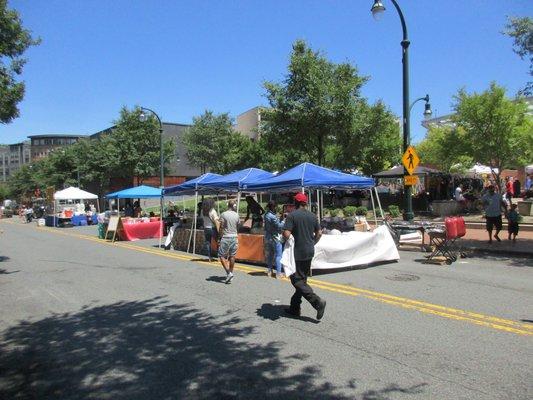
(161,220)
(379,204)
(193,222)
(322,202)
(374,208)
(318,209)
(238,201)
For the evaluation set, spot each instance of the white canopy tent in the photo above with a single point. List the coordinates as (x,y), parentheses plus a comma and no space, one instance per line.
(74,193)
(479,169)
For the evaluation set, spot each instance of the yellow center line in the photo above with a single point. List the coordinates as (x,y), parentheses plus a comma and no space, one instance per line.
(411,304)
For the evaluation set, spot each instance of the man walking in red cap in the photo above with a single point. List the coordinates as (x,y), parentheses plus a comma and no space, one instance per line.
(304,227)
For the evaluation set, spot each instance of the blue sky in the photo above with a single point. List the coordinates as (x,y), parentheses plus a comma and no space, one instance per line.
(183,57)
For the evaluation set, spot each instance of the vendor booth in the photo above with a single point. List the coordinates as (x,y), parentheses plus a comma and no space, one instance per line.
(332,251)
(70,210)
(210,184)
(432,185)
(138,228)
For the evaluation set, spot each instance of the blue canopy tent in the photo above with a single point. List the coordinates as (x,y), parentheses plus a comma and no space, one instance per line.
(232,183)
(136,192)
(190,187)
(310,176)
(236,181)
(140,192)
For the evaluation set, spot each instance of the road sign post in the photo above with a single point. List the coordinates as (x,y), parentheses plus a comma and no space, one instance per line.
(410,161)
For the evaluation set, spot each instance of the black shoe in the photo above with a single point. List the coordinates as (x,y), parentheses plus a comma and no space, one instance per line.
(292,312)
(320,309)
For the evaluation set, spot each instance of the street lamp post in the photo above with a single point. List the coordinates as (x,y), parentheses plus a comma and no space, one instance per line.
(427,106)
(161,159)
(376,9)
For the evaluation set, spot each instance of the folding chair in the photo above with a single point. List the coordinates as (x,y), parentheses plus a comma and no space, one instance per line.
(460,227)
(443,240)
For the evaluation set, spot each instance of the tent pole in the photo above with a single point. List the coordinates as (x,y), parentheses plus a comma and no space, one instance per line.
(195,224)
(318,204)
(374,209)
(379,203)
(238,201)
(161,220)
(193,221)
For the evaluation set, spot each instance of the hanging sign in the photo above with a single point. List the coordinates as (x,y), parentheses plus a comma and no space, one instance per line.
(410,160)
(410,180)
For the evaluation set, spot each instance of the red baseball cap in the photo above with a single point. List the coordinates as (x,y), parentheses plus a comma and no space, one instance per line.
(300,198)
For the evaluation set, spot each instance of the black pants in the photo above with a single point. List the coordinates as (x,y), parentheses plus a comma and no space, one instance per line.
(299,281)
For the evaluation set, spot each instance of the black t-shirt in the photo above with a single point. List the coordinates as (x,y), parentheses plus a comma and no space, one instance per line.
(303,224)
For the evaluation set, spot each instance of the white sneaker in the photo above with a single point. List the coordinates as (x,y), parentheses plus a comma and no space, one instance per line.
(229,277)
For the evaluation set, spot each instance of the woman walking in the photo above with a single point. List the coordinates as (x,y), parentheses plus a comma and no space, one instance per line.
(273,246)
(210,218)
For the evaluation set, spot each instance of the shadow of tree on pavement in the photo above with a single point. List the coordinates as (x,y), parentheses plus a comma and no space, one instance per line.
(152,349)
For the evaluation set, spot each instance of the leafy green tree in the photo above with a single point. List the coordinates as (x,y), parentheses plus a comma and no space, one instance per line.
(14,41)
(372,144)
(213,144)
(315,103)
(59,169)
(22,183)
(446,148)
(96,162)
(5,192)
(521,30)
(498,130)
(136,146)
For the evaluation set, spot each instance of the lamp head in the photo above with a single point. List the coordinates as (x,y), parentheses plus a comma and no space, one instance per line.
(142,116)
(377,9)
(427,110)
(427,107)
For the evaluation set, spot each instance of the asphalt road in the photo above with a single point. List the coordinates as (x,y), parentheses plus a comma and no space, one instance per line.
(81,318)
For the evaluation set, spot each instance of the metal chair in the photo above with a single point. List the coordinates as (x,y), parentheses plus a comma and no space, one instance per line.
(444,240)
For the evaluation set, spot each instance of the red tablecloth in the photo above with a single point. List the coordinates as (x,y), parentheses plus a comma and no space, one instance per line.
(140,230)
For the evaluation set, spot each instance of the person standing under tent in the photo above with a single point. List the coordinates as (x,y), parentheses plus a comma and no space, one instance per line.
(256,210)
(303,225)
(137,210)
(493,203)
(210,219)
(273,237)
(227,248)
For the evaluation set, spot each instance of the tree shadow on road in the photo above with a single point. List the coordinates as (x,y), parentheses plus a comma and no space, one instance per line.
(513,261)
(153,349)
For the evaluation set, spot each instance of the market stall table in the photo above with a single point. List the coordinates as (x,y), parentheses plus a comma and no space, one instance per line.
(77,220)
(140,230)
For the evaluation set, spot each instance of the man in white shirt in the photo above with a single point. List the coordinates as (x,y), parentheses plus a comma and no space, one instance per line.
(494,204)
(459,198)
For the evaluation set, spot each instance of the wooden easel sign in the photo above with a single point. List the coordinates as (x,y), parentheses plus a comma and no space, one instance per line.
(115,223)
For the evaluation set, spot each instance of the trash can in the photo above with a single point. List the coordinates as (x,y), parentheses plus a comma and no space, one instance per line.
(101,231)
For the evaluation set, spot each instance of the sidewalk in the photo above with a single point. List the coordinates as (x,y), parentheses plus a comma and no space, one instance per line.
(476,239)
